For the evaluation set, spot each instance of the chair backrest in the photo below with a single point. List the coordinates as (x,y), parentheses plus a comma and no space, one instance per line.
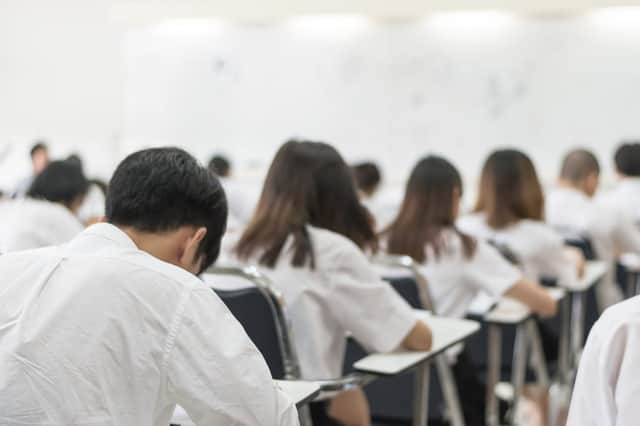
(258,310)
(410,284)
(578,240)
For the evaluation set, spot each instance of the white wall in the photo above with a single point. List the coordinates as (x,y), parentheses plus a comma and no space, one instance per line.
(65,75)
(60,79)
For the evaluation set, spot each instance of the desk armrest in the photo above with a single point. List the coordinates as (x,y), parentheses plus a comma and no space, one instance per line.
(447,332)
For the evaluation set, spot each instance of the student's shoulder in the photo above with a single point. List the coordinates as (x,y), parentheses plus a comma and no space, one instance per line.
(331,248)
(624,312)
(538,230)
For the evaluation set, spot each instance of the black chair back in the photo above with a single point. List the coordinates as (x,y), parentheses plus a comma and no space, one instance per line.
(255,309)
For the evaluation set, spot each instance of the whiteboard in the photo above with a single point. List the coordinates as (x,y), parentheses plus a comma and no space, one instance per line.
(391,92)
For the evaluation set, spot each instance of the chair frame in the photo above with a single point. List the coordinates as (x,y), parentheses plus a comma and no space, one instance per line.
(328,388)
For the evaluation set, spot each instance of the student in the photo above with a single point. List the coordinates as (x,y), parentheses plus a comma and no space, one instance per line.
(114,328)
(48,215)
(625,197)
(367,177)
(308,235)
(509,211)
(571,207)
(607,391)
(456,266)
(39,161)
(240,203)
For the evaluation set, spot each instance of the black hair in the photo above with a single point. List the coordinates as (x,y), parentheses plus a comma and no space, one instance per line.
(220,165)
(162,189)
(627,158)
(38,146)
(367,176)
(60,182)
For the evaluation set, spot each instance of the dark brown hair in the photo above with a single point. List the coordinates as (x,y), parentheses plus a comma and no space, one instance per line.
(509,189)
(367,177)
(428,209)
(308,183)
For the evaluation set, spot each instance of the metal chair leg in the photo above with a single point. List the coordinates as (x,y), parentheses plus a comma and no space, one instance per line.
(519,369)
(538,361)
(450,391)
(421,398)
(493,374)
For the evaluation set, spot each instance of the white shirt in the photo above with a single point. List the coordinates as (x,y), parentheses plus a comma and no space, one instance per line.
(611,232)
(455,280)
(343,294)
(99,333)
(93,205)
(28,223)
(539,248)
(625,198)
(240,200)
(607,389)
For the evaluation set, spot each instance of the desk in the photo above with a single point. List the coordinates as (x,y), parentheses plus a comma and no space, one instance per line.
(299,391)
(447,332)
(512,312)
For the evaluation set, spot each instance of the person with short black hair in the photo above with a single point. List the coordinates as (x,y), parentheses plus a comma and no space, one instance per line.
(39,154)
(368,177)
(220,165)
(625,196)
(48,215)
(115,327)
(572,209)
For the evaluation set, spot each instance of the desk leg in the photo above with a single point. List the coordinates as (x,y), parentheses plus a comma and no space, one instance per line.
(538,362)
(421,398)
(493,374)
(577,332)
(450,391)
(564,356)
(519,368)
(637,285)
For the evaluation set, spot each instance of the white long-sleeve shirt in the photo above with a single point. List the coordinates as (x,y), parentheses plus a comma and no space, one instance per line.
(611,232)
(539,248)
(28,224)
(343,294)
(607,389)
(97,332)
(625,198)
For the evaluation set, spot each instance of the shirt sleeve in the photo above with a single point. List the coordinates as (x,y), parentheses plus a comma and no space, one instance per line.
(606,392)
(487,270)
(366,306)
(626,235)
(552,261)
(216,373)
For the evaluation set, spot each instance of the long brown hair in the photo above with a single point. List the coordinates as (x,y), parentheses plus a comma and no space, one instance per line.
(308,183)
(428,208)
(509,189)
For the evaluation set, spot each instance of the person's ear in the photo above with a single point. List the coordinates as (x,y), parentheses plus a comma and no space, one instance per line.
(190,259)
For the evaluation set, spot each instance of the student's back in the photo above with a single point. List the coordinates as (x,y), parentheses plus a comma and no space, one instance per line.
(509,211)
(27,224)
(341,294)
(114,328)
(625,196)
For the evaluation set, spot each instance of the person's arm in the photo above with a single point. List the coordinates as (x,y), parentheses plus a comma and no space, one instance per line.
(419,338)
(216,373)
(534,296)
(371,309)
(490,272)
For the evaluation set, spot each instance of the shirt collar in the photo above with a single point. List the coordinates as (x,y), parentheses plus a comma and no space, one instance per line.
(110,232)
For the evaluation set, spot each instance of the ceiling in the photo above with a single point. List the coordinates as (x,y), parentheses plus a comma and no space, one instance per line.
(266,10)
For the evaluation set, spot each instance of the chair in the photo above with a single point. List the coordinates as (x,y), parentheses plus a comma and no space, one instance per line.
(258,308)
(391,398)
